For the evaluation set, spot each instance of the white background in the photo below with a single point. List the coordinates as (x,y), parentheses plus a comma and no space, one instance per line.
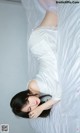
(13,64)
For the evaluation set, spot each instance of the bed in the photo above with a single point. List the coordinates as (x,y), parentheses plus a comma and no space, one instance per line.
(65,116)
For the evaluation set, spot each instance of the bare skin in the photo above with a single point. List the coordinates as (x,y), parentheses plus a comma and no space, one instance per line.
(32,103)
(50,19)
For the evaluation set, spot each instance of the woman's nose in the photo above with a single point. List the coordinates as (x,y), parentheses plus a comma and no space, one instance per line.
(33,103)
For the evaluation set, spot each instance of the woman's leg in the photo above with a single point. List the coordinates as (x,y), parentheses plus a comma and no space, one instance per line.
(50,20)
(51,17)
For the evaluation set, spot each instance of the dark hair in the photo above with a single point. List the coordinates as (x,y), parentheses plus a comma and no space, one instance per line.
(19,100)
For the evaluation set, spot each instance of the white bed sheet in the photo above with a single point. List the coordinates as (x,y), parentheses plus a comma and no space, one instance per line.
(65,116)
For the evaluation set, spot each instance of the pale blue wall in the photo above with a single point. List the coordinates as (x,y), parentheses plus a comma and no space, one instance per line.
(13,65)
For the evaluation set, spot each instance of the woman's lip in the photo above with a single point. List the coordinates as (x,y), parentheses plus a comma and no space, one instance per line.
(36,102)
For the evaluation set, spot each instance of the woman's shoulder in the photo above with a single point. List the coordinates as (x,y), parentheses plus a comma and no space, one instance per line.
(32,86)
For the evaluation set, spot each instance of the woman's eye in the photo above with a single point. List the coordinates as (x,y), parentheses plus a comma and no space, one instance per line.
(29,109)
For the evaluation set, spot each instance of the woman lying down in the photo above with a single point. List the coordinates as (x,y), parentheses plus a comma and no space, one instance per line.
(44,90)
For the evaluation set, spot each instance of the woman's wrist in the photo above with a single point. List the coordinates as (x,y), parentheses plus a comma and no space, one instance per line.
(46,105)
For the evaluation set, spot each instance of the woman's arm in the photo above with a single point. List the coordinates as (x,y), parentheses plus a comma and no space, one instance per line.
(36,112)
(32,86)
(48,104)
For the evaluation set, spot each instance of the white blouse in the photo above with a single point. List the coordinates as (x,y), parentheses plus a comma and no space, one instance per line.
(43,46)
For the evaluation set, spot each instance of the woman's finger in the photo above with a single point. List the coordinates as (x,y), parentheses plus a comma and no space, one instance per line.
(31,114)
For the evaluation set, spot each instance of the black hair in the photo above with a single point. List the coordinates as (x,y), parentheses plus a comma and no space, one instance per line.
(20,99)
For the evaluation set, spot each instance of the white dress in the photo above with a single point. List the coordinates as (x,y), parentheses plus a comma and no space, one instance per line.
(43,46)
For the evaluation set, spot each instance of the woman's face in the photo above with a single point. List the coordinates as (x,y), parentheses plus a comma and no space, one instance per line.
(32,103)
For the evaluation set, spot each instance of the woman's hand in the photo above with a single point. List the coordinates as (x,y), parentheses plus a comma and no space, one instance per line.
(47,105)
(35,113)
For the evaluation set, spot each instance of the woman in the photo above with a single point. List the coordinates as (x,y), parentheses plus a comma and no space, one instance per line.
(44,90)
